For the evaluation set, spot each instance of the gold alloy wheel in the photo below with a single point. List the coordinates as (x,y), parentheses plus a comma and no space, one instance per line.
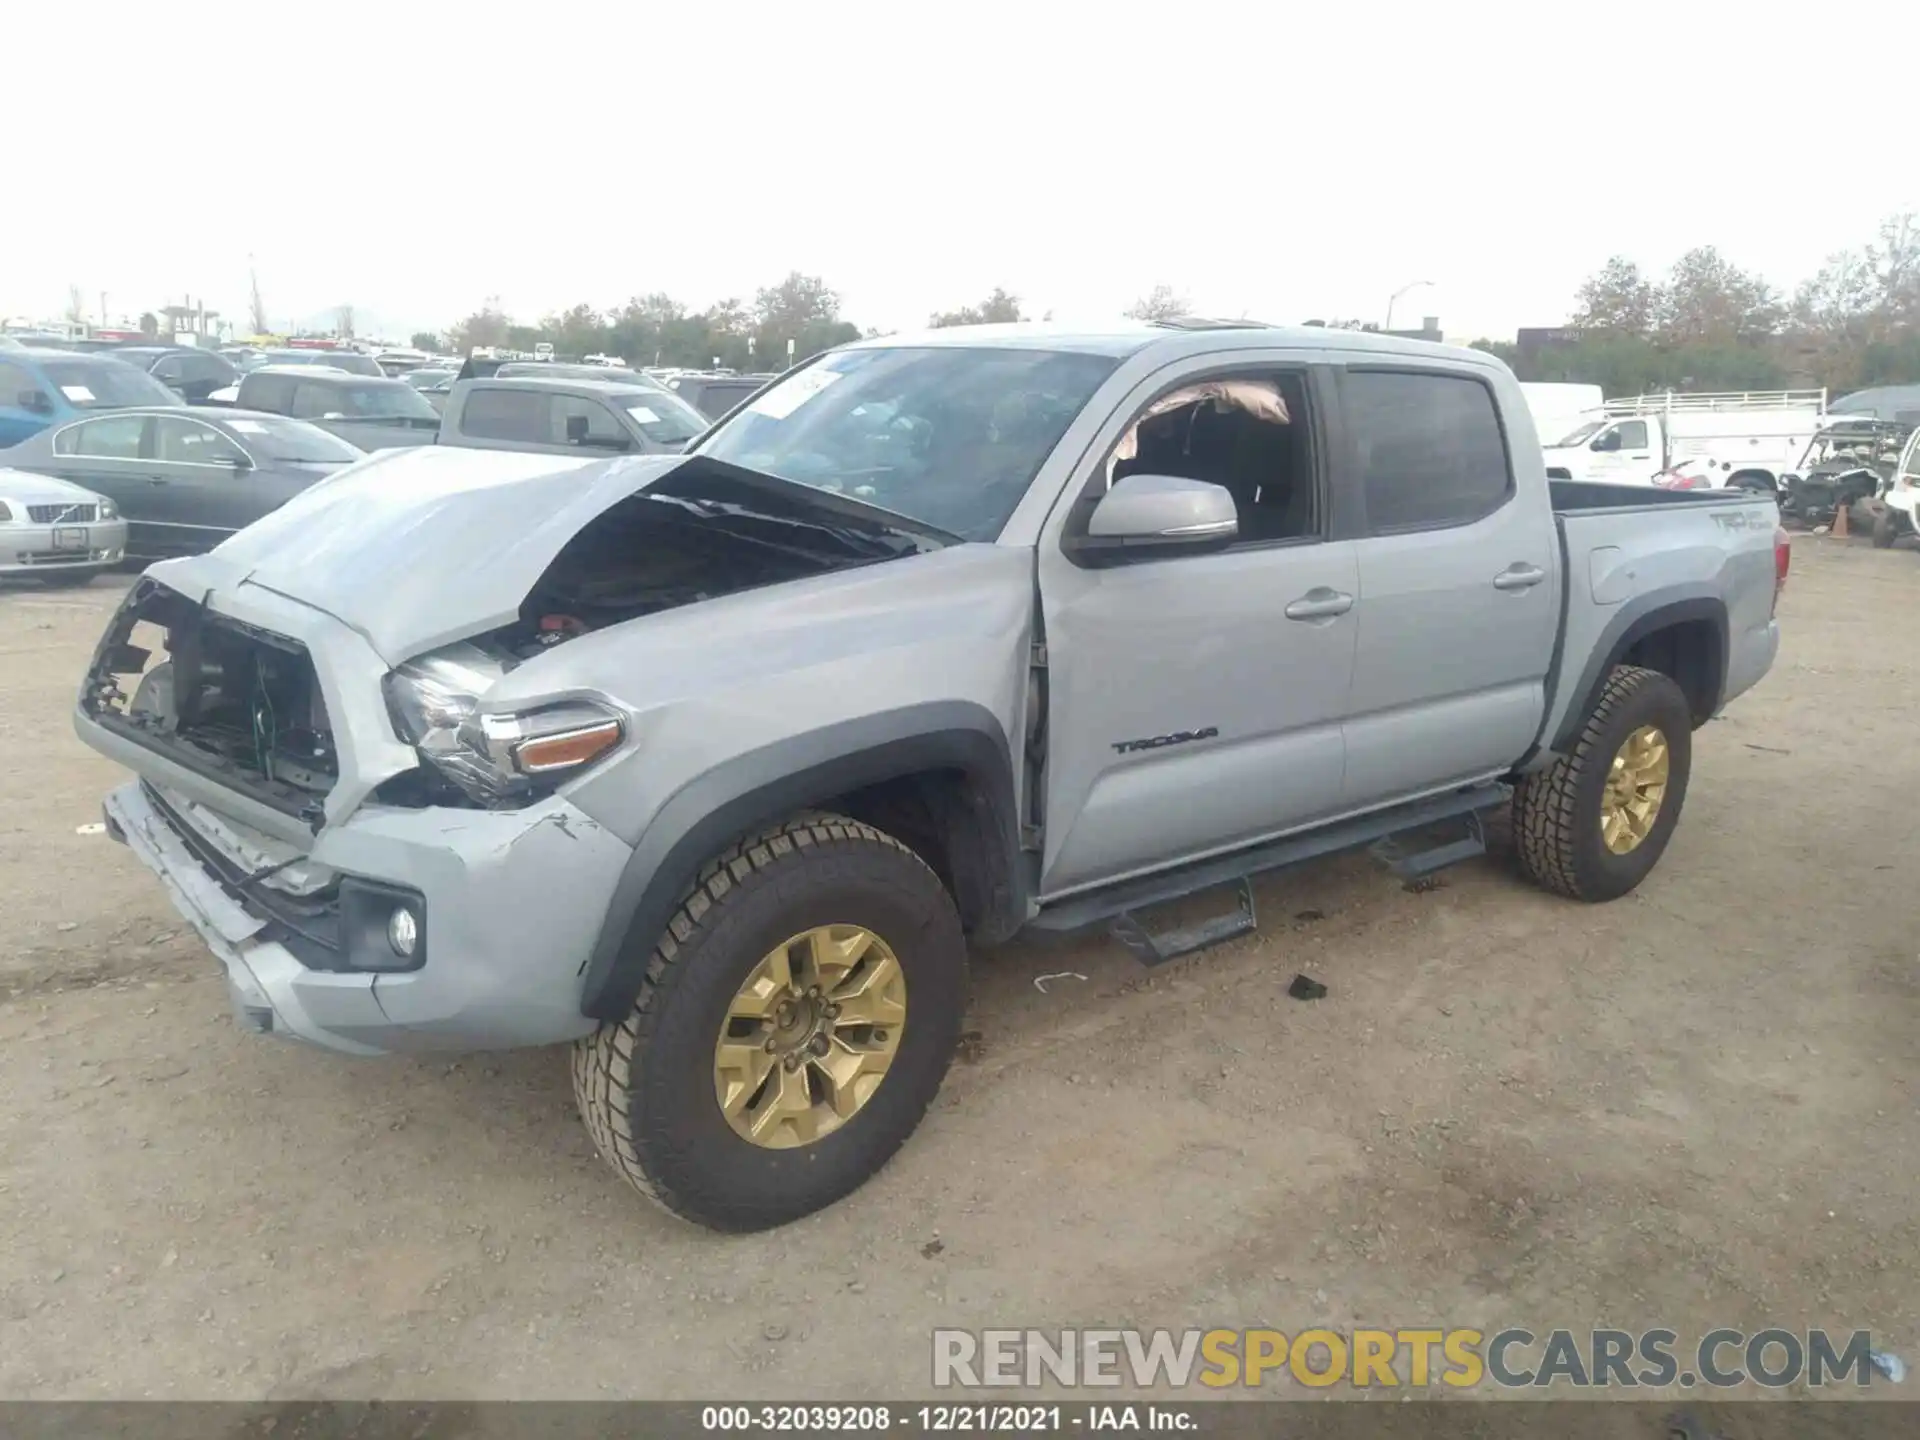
(809,1036)
(1636,788)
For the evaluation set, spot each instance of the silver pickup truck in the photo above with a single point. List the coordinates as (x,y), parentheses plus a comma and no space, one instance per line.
(715,764)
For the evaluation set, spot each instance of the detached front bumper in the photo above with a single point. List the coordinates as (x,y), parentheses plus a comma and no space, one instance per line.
(512,900)
(30,549)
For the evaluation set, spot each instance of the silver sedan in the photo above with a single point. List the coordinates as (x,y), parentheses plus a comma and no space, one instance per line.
(55,529)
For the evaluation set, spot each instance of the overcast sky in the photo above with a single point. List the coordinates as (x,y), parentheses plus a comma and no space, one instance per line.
(1283,161)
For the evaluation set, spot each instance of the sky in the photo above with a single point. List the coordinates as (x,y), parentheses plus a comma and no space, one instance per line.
(1281,161)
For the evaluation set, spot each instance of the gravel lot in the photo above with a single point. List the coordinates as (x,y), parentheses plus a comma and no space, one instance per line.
(1694,1107)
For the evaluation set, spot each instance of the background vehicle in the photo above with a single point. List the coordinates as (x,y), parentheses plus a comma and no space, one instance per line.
(369,414)
(714,395)
(1849,462)
(191,374)
(1899,513)
(395,363)
(185,478)
(992,629)
(1740,440)
(351,362)
(1885,402)
(562,416)
(434,382)
(1560,408)
(53,530)
(39,388)
(565,370)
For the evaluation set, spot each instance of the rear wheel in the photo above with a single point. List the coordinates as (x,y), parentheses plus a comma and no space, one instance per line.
(1886,529)
(795,1022)
(1594,822)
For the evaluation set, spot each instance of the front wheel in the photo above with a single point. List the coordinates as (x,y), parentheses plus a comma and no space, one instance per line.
(1593,823)
(1886,528)
(796,1019)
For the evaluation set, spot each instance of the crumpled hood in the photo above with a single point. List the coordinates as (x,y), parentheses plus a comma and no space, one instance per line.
(415,548)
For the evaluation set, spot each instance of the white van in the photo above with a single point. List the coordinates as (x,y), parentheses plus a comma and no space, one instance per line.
(1559,408)
(1737,440)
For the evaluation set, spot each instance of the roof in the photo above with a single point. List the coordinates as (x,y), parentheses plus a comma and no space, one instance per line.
(1186,338)
(45,353)
(565,382)
(314,372)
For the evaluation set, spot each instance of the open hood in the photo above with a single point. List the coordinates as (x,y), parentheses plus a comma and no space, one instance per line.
(417,548)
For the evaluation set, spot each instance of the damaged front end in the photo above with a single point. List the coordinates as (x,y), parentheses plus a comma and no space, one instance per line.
(236,704)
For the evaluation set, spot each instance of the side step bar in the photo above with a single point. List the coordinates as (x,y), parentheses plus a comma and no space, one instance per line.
(1391,834)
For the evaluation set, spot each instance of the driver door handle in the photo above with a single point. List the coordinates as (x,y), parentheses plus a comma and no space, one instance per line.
(1519,576)
(1320,603)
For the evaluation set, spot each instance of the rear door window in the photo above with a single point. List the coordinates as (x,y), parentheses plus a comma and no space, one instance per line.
(113,437)
(501,414)
(312,402)
(1428,448)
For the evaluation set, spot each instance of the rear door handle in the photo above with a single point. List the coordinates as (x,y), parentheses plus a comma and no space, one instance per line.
(156,479)
(1320,603)
(1519,576)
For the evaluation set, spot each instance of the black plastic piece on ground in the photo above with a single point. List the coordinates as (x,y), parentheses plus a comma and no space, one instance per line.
(1305,988)
(1157,949)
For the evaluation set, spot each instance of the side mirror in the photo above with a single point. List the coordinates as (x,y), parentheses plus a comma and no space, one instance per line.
(36,401)
(576,429)
(1150,516)
(240,463)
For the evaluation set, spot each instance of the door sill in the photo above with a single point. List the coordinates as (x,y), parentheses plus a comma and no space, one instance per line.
(1091,908)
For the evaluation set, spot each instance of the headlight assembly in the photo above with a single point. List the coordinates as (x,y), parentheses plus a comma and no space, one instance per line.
(499,760)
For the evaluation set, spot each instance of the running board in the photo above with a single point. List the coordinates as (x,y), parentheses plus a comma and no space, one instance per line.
(1387,832)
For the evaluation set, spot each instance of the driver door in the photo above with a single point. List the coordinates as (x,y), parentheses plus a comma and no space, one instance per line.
(1622,453)
(1195,702)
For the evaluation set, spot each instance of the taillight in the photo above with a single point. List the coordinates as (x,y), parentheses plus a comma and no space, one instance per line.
(1674,480)
(1782,562)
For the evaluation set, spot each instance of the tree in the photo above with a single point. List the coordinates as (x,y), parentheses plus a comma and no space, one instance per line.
(424,340)
(486,327)
(256,307)
(1619,298)
(343,321)
(576,332)
(1708,299)
(76,306)
(1160,303)
(999,308)
(803,310)
(149,324)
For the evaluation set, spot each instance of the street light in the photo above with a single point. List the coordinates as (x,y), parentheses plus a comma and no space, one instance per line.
(1394,299)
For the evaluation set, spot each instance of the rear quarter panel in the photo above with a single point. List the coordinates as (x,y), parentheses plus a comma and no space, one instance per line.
(1633,561)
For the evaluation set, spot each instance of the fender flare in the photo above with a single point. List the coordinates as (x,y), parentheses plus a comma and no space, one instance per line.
(1637,620)
(765,785)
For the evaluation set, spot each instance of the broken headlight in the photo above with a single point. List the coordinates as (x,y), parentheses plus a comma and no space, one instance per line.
(496,759)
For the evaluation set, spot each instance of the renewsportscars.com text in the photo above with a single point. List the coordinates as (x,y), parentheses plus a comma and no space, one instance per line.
(1365,1359)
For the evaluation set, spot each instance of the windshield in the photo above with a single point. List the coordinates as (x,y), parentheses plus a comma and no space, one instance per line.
(1579,437)
(563,371)
(106,384)
(951,436)
(386,400)
(292,442)
(663,416)
(427,379)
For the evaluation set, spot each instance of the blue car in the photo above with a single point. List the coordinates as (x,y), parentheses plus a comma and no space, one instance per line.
(39,388)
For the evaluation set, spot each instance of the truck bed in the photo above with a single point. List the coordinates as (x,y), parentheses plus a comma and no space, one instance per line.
(1570,496)
(1626,548)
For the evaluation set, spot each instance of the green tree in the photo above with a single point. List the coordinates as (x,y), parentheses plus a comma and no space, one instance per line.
(1709,300)
(803,310)
(424,340)
(149,324)
(485,328)
(999,308)
(576,332)
(1159,303)
(1617,297)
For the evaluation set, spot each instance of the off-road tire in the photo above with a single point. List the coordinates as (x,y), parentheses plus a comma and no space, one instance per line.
(1885,529)
(645,1085)
(1557,810)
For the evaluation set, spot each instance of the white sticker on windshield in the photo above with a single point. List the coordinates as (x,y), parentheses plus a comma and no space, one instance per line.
(78,394)
(248,427)
(790,395)
(642,414)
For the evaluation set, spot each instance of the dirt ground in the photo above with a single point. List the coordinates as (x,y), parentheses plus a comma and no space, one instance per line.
(1693,1107)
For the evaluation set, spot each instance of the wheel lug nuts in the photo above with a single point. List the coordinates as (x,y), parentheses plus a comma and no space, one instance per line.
(880,1035)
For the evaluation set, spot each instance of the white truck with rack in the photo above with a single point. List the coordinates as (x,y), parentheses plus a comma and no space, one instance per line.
(1741,440)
